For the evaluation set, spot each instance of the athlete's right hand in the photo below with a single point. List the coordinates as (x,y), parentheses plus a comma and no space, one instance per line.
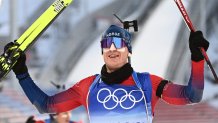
(20,66)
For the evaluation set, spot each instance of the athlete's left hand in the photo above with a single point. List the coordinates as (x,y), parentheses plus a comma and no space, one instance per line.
(197,40)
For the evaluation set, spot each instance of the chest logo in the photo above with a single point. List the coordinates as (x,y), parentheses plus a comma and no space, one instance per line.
(119,98)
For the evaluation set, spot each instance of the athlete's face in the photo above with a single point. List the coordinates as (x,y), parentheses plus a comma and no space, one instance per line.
(115,58)
(63,117)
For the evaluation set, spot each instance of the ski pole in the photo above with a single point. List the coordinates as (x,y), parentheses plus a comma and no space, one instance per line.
(192,29)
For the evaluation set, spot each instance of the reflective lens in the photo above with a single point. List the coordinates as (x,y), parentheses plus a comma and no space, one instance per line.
(118,42)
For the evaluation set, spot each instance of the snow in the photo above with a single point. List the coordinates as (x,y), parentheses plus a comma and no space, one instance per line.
(154,45)
(90,63)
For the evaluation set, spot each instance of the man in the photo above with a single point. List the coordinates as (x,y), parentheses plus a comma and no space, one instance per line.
(119,94)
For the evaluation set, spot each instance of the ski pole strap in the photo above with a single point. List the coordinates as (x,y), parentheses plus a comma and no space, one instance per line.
(161,87)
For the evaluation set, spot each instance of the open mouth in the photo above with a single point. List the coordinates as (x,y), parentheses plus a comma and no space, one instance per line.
(113,56)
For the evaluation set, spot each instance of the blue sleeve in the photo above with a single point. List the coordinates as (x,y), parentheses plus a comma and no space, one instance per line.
(60,102)
(34,93)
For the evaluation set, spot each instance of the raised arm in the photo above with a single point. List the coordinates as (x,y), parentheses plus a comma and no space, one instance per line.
(191,93)
(61,102)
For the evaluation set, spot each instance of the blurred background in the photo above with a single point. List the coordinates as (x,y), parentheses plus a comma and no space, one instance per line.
(69,50)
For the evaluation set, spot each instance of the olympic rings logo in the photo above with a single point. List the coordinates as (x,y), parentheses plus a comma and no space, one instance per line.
(118,100)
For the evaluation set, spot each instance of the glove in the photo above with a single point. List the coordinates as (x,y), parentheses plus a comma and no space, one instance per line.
(20,66)
(197,40)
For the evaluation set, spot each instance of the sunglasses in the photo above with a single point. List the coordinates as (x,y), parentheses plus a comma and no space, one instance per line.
(118,42)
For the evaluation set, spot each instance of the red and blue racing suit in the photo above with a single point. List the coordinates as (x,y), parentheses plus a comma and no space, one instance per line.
(77,95)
